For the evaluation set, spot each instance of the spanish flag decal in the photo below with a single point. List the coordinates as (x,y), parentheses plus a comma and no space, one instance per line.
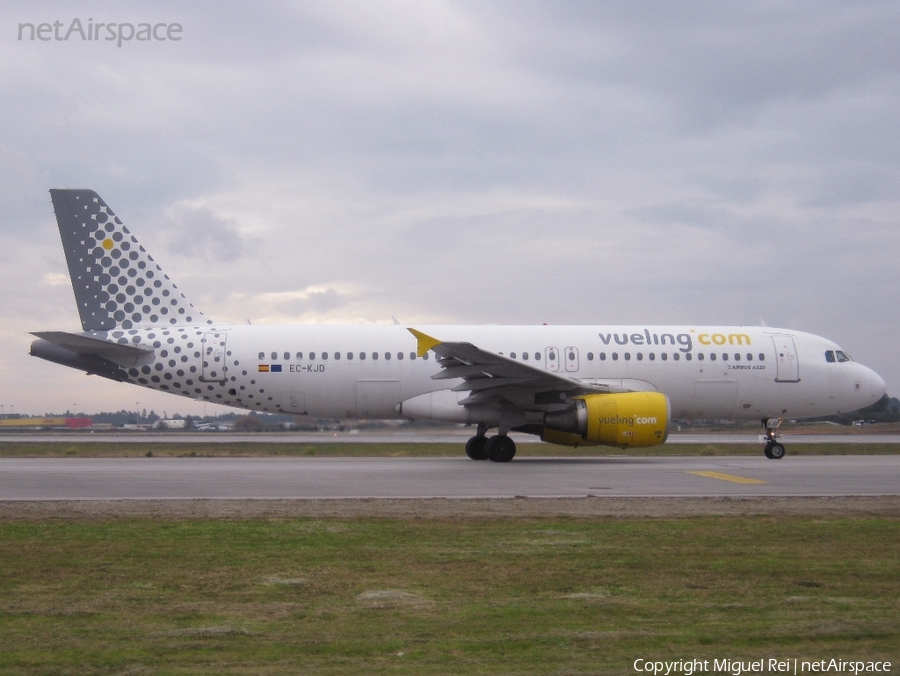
(263,368)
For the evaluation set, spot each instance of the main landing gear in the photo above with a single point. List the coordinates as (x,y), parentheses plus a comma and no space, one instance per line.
(475,447)
(774,449)
(499,448)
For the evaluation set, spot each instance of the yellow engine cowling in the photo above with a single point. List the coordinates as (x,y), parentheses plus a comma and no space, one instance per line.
(626,420)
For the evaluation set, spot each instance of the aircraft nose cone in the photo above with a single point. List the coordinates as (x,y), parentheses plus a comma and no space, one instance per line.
(878,385)
(873,385)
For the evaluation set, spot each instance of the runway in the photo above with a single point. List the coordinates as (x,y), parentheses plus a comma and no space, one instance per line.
(36,479)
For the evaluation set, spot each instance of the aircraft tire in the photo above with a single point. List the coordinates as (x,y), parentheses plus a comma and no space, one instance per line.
(500,448)
(774,451)
(475,448)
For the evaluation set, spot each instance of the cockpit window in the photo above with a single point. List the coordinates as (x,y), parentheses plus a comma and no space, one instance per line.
(829,356)
(841,356)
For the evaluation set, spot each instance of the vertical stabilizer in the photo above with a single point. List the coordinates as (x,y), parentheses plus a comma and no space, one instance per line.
(117,283)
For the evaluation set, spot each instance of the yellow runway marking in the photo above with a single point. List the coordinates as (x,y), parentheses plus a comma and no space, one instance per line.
(730,477)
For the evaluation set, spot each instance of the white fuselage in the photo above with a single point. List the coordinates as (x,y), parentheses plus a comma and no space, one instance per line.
(367,371)
(140,328)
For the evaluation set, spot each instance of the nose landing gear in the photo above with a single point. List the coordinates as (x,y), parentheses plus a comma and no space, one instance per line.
(774,449)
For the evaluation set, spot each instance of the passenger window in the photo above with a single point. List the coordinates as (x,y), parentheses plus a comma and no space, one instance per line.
(640,356)
(571,356)
(512,355)
(590,356)
(299,356)
(749,356)
(337,355)
(688,356)
(362,356)
(737,357)
(274,355)
(324,355)
(700,356)
(287,356)
(412,355)
(425,356)
(349,355)
(312,356)
(603,356)
(374,355)
(262,355)
(387,355)
(628,356)
(551,356)
(652,356)
(712,356)
(762,357)
(664,356)
(399,355)
(524,356)
(615,356)
(724,356)
(676,356)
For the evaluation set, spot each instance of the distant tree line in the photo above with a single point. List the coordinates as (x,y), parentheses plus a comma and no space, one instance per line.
(885,410)
(123,417)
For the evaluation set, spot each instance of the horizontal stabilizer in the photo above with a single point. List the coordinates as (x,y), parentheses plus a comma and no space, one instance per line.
(97,347)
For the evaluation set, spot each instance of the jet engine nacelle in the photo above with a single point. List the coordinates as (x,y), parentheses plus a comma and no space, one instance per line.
(626,420)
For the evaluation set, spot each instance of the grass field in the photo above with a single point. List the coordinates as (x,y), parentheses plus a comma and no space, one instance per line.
(125,449)
(432,596)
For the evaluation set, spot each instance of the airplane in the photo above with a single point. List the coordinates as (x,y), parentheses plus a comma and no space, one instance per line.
(575,385)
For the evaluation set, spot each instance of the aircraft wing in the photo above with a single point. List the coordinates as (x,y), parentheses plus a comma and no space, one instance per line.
(489,376)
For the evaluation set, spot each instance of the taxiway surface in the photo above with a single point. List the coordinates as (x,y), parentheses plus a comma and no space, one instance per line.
(38,479)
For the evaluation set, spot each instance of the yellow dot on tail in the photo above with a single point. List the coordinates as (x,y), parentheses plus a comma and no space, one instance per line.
(107,244)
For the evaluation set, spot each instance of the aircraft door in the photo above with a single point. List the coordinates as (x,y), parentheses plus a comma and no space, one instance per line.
(292,401)
(551,359)
(213,369)
(571,359)
(786,363)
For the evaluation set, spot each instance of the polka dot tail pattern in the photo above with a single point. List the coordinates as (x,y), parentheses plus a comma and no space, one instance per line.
(117,283)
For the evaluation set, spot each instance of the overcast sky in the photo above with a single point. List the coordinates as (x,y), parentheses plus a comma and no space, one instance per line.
(462,162)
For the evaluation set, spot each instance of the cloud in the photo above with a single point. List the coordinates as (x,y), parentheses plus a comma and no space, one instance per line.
(198,232)
(292,306)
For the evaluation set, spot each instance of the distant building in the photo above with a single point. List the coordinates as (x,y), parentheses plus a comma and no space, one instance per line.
(26,423)
(170,424)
